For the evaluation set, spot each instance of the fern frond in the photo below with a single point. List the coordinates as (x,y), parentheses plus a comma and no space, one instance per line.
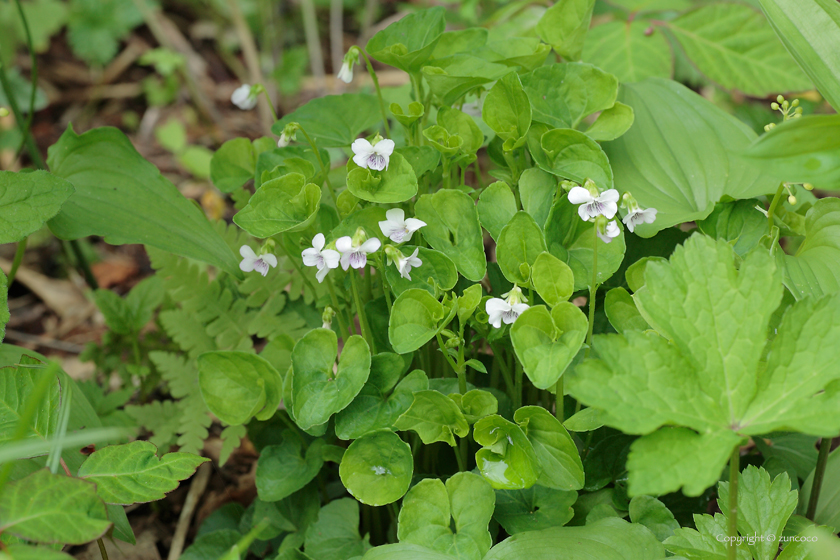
(194,423)
(231,438)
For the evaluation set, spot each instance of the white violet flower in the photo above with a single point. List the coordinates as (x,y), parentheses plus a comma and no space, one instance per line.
(608,231)
(506,310)
(243,98)
(354,251)
(397,228)
(639,216)
(324,259)
(345,74)
(251,261)
(372,156)
(404,264)
(594,203)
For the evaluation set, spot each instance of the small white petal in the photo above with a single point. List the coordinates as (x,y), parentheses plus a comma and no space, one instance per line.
(579,195)
(413,224)
(321,274)
(311,256)
(360,146)
(345,74)
(270,259)
(396,215)
(331,258)
(609,195)
(247,252)
(370,246)
(247,265)
(344,244)
(385,147)
(318,241)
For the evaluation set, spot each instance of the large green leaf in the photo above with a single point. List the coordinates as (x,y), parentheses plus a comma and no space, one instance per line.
(734,46)
(723,391)
(285,203)
(350,114)
(828,505)
(507,110)
(628,51)
(434,417)
(50,508)
(453,77)
(317,392)
(496,207)
(518,246)
(555,448)
(28,200)
(377,468)
(564,26)
(285,468)
(238,385)
(815,268)
(132,473)
(124,198)
(16,387)
(801,150)
(607,539)
(678,156)
(533,508)
(562,95)
(405,551)
(507,458)
(453,229)
(335,534)
(414,320)
(572,155)
(382,400)
(811,33)
(430,508)
(410,41)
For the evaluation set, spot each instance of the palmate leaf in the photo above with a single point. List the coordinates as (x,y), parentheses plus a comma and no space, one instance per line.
(702,373)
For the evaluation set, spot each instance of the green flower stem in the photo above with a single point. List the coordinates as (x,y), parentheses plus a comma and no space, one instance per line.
(19,252)
(477,172)
(559,413)
(373,77)
(465,450)
(102,550)
(819,476)
(270,105)
(447,179)
(517,391)
(462,373)
(462,464)
(593,293)
(360,312)
(734,469)
(281,242)
(503,367)
(324,169)
(772,211)
(339,312)
(81,260)
(458,371)
(33,78)
(386,287)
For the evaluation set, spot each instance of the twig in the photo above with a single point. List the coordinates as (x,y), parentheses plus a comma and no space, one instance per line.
(199,484)
(18,336)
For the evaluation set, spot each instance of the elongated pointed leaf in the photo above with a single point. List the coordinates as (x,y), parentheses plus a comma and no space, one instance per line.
(350,114)
(124,198)
(132,473)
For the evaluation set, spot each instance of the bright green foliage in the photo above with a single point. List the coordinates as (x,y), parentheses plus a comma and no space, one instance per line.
(4,304)
(507,111)
(533,509)
(461,125)
(827,512)
(434,417)
(335,534)
(49,508)
(414,320)
(496,207)
(555,449)
(811,34)
(612,123)
(627,51)
(430,508)
(132,473)
(650,512)
(573,155)
(437,270)
(16,387)
(454,230)
(317,392)
(547,342)
(508,460)
(518,245)
(124,198)
(284,469)
(452,77)
(129,315)
(286,203)
(763,510)
(26,552)
(516,52)
(238,385)
(734,46)
(28,200)
(801,150)
(564,26)
(404,551)
(679,156)
(395,184)
(562,95)
(476,404)
(611,538)
(697,301)
(95,27)
(377,468)
(409,42)
(383,398)
(622,312)
(536,190)
(233,164)
(737,222)
(350,115)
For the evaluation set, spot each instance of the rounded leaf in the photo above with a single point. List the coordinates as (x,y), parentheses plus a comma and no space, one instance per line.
(377,468)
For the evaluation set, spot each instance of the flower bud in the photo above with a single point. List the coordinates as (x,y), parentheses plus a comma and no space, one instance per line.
(791,200)
(780,99)
(359,237)
(808,186)
(795,103)
(327,317)
(774,106)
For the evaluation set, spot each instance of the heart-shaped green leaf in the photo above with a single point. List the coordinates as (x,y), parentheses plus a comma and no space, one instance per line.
(238,385)
(537,189)
(453,229)
(534,508)
(496,207)
(552,278)
(507,460)
(564,26)
(409,42)
(556,451)
(562,95)
(612,123)
(518,245)
(395,184)
(350,114)
(286,203)
(507,110)
(377,468)
(815,268)
(437,269)
(414,320)
(572,155)
(453,77)
(434,417)
(284,469)
(546,343)
(317,392)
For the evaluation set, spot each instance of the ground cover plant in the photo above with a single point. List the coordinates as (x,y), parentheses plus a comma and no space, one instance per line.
(544,301)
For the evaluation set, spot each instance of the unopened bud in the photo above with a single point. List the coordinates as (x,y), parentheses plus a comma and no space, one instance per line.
(4,112)
(795,103)
(791,200)
(774,106)
(780,99)
(808,186)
